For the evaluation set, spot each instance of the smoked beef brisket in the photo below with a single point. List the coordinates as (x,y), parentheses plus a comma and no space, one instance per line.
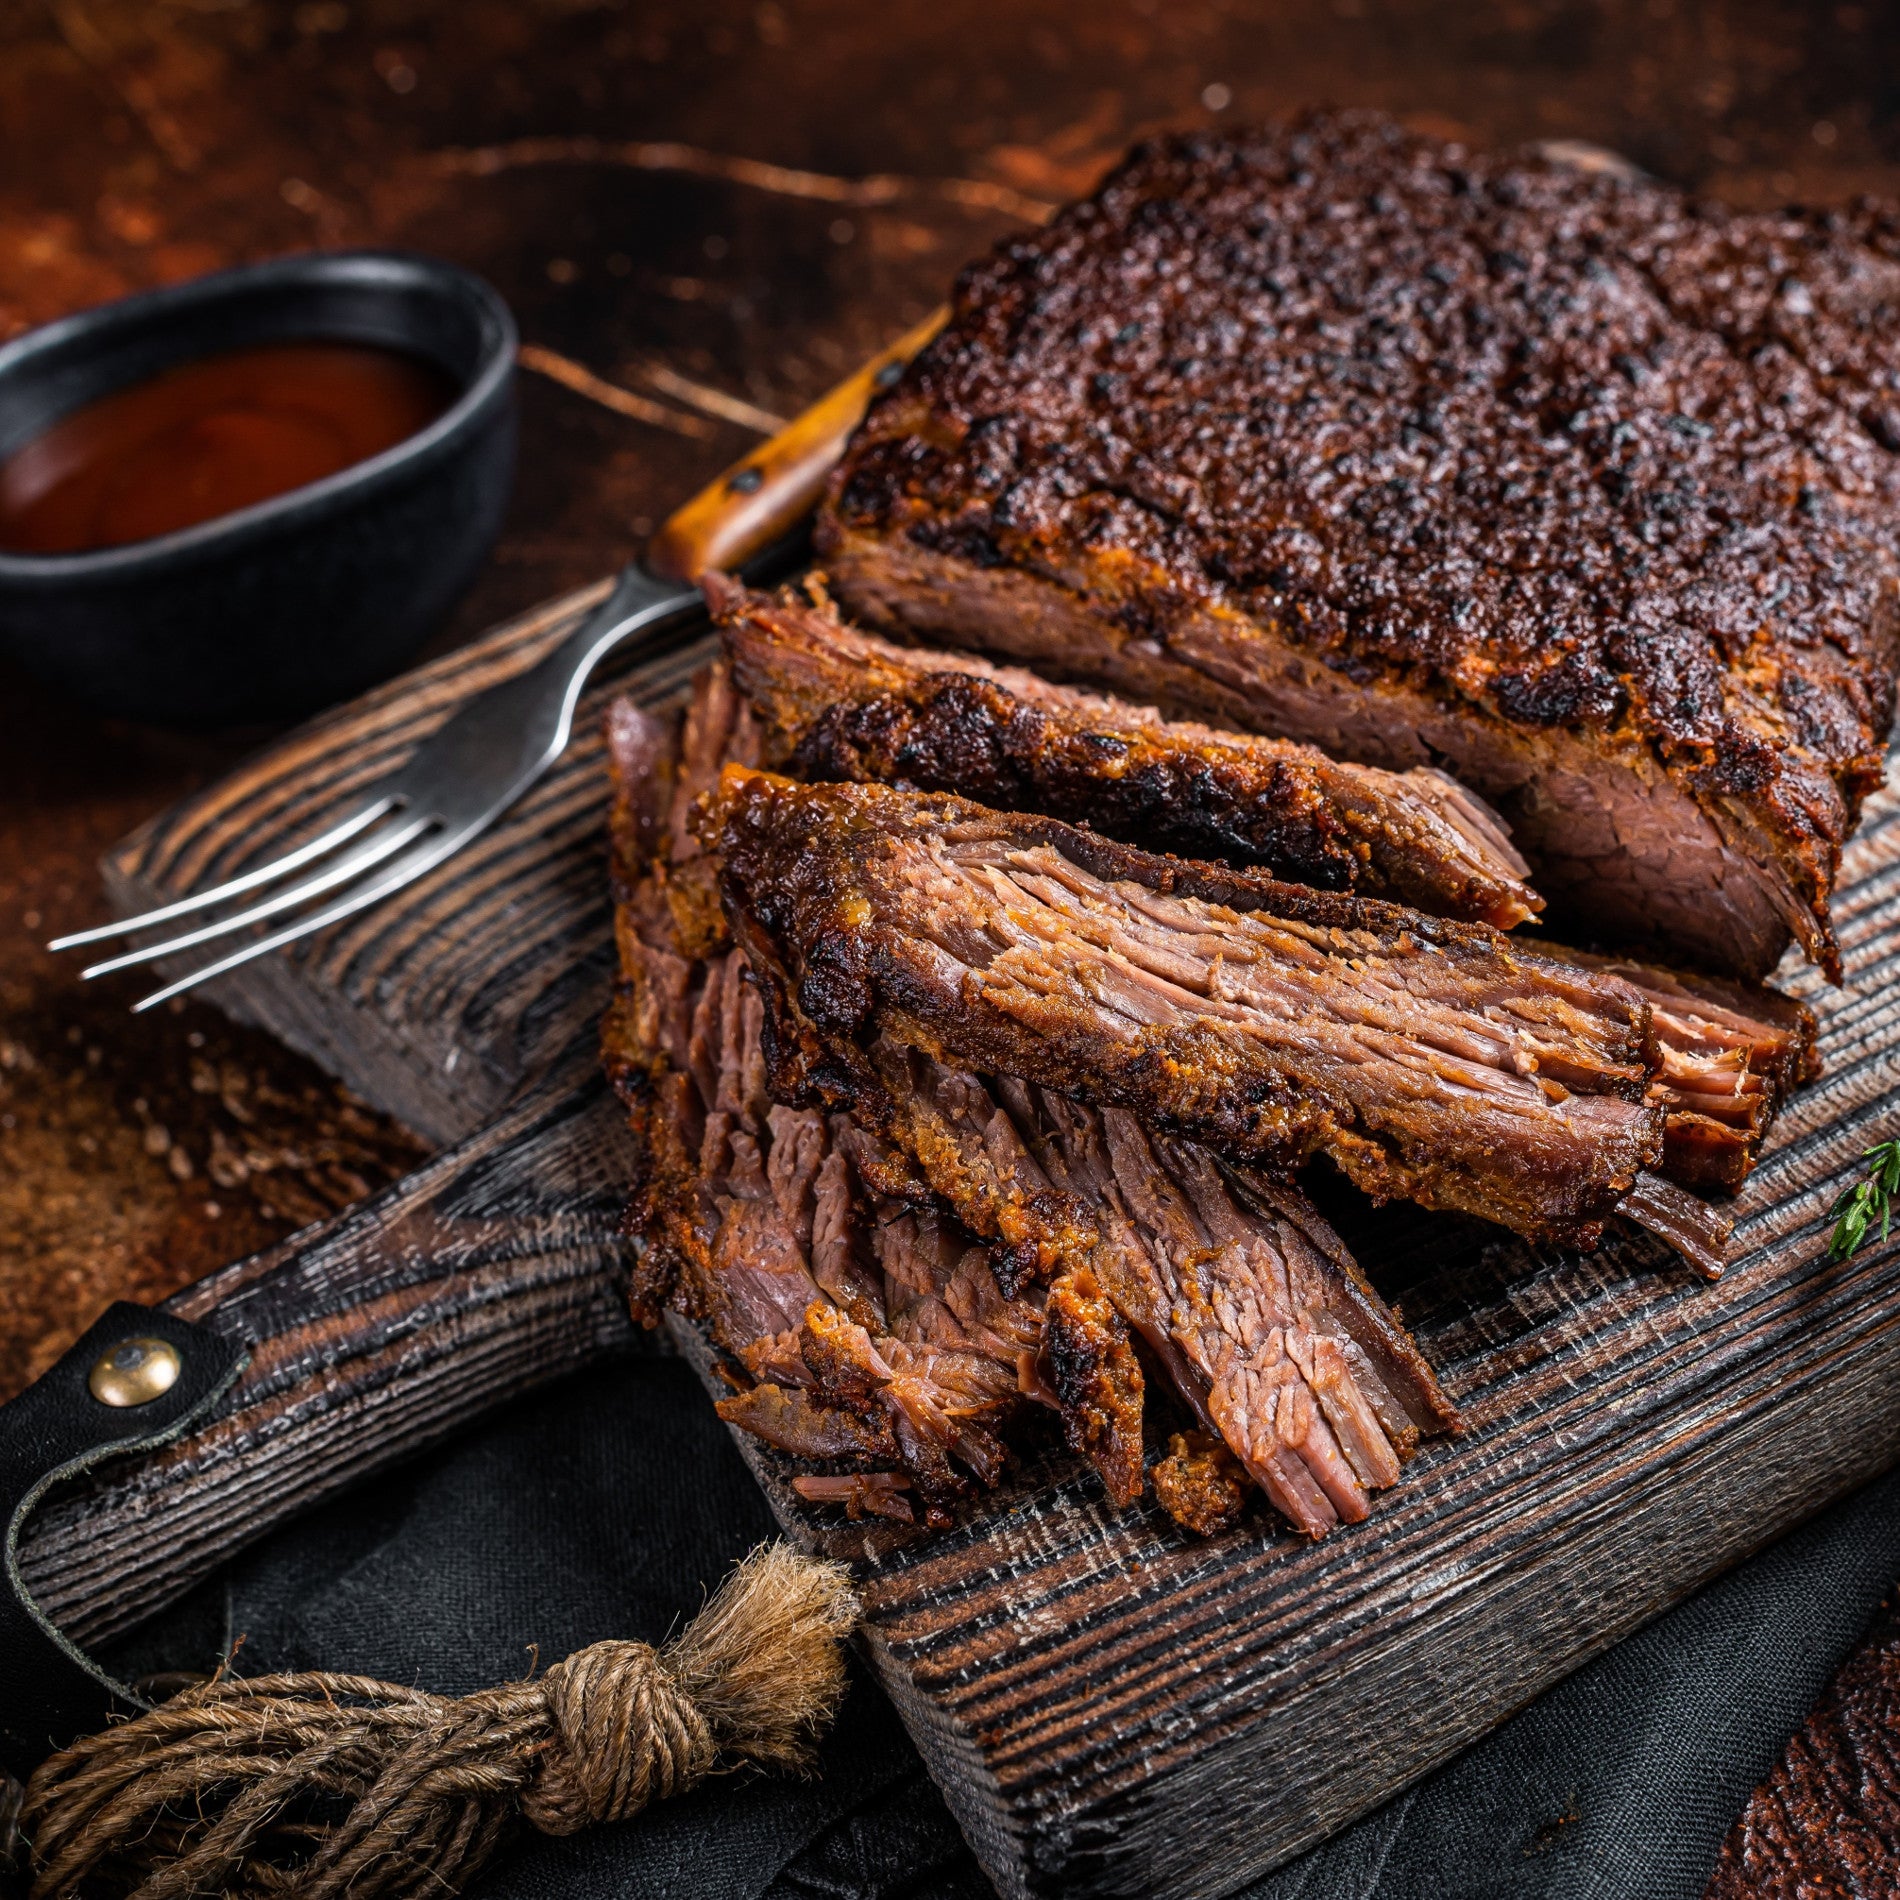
(1731,1054)
(1435,1061)
(1432,457)
(866,1328)
(1243,1294)
(864,1333)
(839,704)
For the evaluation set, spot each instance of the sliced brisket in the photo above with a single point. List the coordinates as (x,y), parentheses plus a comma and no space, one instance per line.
(1236,1285)
(1428,456)
(1436,1061)
(1731,1054)
(869,1328)
(842,705)
(839,704)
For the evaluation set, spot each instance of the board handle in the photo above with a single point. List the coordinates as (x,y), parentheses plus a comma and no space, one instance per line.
(494,1268)
(765,494)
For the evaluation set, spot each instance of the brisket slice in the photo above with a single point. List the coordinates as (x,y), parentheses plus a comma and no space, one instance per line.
(1582,489)
(1731,1054)
(1434,1061)
(1236,1285)
(867,1331)
(839,704)
(1825,1824)
(871,1327)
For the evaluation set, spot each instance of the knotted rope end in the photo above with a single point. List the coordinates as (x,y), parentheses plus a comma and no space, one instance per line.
(212,1792)
(762,1661)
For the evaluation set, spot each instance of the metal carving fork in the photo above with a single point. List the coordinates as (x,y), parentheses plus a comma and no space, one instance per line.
(466,774)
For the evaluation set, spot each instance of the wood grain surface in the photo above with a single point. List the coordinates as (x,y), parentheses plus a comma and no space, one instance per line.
(492,1269)
(436,1007)
(1110,1706)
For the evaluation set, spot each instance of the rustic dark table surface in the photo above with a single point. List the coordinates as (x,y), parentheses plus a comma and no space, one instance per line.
(703,213)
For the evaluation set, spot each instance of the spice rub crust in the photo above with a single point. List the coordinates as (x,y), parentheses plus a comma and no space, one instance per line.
(1428,454)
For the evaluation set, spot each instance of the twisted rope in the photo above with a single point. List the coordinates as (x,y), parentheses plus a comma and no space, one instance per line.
(319,1785)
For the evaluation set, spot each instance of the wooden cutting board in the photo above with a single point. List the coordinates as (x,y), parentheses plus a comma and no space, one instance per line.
(1110,1706)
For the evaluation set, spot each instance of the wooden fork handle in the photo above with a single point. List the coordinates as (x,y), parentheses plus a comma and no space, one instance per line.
(764,495)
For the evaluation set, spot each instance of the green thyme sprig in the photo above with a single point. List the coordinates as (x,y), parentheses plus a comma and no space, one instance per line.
(1867,1201)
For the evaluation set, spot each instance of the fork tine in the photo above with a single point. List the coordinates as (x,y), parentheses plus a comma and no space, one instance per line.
(368,854)
(392,877)
(341,832)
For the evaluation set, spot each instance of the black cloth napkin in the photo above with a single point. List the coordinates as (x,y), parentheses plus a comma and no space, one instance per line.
(611,1504)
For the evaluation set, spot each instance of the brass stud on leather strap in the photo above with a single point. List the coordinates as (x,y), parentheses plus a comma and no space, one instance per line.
(135,1372)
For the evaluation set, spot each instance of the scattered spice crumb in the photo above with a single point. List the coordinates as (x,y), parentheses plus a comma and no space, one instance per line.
(112,1128)
(1550,1832)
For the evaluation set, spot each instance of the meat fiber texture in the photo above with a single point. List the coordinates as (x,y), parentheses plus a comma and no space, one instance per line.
(1433,1061)
(1243,1295)
(1731,1053)
(867,1326)
(840,704)
(1582,489)
(865,1335)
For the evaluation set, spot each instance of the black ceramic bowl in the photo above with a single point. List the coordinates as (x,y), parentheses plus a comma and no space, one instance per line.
(280,608)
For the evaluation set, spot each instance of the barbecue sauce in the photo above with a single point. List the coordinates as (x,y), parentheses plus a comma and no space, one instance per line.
(207,438)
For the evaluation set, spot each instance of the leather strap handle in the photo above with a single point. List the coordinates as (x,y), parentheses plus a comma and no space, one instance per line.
(136,1380)
(764,495)
(494,1268)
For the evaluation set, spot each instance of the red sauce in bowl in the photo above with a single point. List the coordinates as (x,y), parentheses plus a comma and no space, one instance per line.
(208,438)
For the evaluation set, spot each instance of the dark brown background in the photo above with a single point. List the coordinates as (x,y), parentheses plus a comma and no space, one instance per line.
(144,142)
